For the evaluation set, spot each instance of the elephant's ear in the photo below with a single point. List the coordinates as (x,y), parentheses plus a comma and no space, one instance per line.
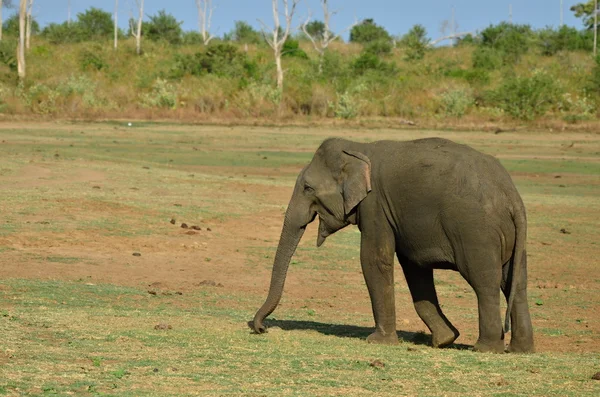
(357,179)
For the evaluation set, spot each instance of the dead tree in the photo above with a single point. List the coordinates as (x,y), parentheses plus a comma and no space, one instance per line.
(28,24)
(278,37)
(21,46)
(321,44)
(116,24)
(205,11)
(135,27)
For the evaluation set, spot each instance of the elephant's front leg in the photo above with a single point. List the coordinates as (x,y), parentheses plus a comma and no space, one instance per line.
(422,290)
(377,260)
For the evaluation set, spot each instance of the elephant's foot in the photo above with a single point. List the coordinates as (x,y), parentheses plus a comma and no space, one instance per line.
(489,347)
(388,339)
(444,337)
(521,346)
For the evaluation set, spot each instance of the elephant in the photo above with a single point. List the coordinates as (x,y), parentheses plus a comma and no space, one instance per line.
(433,203)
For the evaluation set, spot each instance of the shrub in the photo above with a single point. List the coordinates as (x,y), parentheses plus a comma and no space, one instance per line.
(95,23)
(487,58)
(91,59)
(349,103)
(8,54)
(63,33)
(525,98)
(475,77)
(455,102)
(510,40)
(163,95)
(416,43)
(291,48)
(566,38)
(594,81)
(368,31)
(10,27)
(379,47)
(163,26)
(221,59)
(244,33)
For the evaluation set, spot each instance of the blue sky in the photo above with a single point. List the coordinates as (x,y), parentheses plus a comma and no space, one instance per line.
(397,16)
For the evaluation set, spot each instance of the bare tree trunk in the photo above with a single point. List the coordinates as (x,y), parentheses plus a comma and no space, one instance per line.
(205,10)
(277,42)
(28,24)
(137,30)
(116,24)
(322,44)
(21,46)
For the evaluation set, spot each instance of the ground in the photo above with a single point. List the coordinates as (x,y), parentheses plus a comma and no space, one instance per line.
(92,220)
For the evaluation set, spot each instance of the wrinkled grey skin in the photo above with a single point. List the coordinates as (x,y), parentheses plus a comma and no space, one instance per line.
(436,205)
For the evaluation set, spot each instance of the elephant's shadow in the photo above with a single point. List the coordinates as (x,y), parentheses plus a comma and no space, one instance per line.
(353,331)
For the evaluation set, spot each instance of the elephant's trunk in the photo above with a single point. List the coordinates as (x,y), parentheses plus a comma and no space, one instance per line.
(290,237)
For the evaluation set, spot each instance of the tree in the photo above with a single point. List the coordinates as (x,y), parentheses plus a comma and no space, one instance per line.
(279,35)
(11,25)
(244,33)
(116,27)
(7,4)
(368,31)
(21,47)
(163,26)
(95,23)
(136,27)
(585,11)
(416,43)
(319,33)
(205,11)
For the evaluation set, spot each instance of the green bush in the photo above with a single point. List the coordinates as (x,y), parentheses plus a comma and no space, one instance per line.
(416,43)
(244,33)
(8,54)
(10,27)
(221,59)
(510,40)
(163,26)
(379,47)
(455,102)
(566,38)
(91,59)
(291,48)
(95,24)
(368,31)
(525,98)
(487,58)
(63,33)
(476,77)
(594,82)
(163,95)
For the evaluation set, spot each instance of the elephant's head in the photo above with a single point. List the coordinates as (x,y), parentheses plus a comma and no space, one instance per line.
(332,186)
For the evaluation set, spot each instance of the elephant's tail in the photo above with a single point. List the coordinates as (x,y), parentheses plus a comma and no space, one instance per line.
(520,221)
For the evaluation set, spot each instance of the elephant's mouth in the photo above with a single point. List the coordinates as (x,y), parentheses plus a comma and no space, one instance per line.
(326,229)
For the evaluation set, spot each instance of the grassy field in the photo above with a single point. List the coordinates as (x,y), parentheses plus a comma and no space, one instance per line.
(102,292)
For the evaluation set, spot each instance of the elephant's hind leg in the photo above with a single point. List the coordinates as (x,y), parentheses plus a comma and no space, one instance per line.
(422,290)
(521,340)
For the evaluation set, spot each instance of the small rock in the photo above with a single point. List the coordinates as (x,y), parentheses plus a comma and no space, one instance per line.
(177,205)
(96,187)
(151,292)
(146,168)
(136,254)
(377,364)
(208,229)
(209,283)
(564,231)
(162,326)
(596,376)
(155,370)
(191,232)
(196,227)
(411,349)
(184,226)
(173,221)
(557,176)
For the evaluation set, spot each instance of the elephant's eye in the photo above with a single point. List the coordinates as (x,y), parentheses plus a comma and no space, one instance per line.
(308,189)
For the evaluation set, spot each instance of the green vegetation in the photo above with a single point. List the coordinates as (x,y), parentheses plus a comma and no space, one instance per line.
(508,73)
